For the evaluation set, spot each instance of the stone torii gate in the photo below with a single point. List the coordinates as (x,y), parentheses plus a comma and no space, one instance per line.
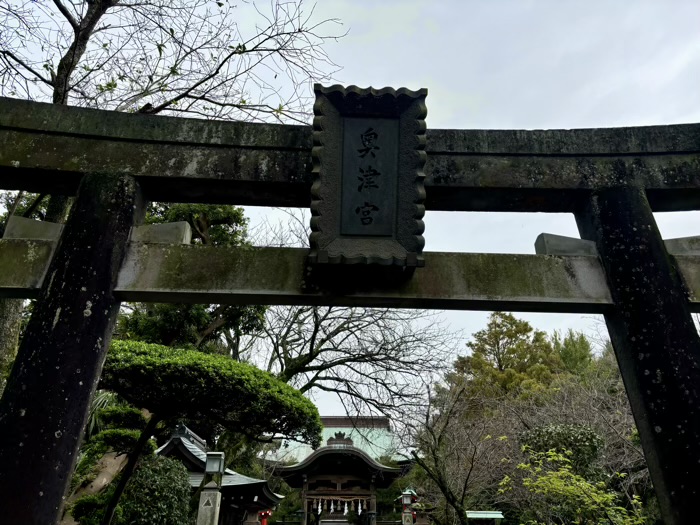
(611,179)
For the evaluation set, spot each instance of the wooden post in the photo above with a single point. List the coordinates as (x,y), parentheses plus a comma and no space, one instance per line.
(655,341)
(372,514)
(46,402)
(305,502)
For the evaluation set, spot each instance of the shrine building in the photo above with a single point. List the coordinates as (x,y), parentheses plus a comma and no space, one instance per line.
(242,498)
(339,480)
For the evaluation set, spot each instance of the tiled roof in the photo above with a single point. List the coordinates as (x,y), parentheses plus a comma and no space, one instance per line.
(339,459)
(196,447)
(230,479)
(356,422)
(254,494)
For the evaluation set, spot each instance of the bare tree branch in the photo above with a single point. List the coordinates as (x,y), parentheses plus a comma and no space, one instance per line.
(179,56)
(64,11)
(26,66)
(379,358)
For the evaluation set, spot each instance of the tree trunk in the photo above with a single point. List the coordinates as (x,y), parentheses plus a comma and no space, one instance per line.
(10,313)
(83,31)
(128,471)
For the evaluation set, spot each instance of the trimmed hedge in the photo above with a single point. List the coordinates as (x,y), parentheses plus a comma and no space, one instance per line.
(176,383)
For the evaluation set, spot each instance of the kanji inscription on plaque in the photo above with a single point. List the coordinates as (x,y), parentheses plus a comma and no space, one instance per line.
(370,151)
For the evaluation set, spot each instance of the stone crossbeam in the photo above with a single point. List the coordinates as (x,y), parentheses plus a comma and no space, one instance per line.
(48,148)
(187,273)
(549,244)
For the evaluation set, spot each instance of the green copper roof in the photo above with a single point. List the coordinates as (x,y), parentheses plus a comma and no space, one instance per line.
(371,435)
(484,514)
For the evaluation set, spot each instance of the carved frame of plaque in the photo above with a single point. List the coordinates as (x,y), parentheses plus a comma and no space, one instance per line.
(368,193)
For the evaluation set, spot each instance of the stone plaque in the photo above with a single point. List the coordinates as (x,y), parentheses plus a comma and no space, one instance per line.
(367,195)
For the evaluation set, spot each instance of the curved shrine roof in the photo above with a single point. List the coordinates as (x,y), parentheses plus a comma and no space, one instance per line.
(339,459)
(189,448)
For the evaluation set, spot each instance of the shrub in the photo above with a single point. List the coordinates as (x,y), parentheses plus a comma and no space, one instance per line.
(158,494)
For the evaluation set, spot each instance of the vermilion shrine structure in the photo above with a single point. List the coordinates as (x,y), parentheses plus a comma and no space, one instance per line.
(610,179)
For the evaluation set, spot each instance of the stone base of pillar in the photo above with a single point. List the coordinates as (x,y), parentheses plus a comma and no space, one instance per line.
(251,519)
(209,505)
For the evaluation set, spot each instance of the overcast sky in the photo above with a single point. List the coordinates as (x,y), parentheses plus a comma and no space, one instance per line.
(522,64)
(526,64)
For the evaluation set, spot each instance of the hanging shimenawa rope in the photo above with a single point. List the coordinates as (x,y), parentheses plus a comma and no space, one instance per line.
(331,504)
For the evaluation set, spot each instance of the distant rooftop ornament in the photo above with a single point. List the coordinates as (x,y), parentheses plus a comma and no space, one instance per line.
(367,194)
(340,440)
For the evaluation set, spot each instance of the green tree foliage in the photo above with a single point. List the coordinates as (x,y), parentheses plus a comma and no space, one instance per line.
(102,400)
(210,328)
(574,350)
(289,507)
(508,356)
(580,443)
(22,204)
(553,395)
(173,383)
(551,493)
(510,343)
(86,469)
(122,440)
(158,494)
(88,510)
(122,416)
(119,430)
